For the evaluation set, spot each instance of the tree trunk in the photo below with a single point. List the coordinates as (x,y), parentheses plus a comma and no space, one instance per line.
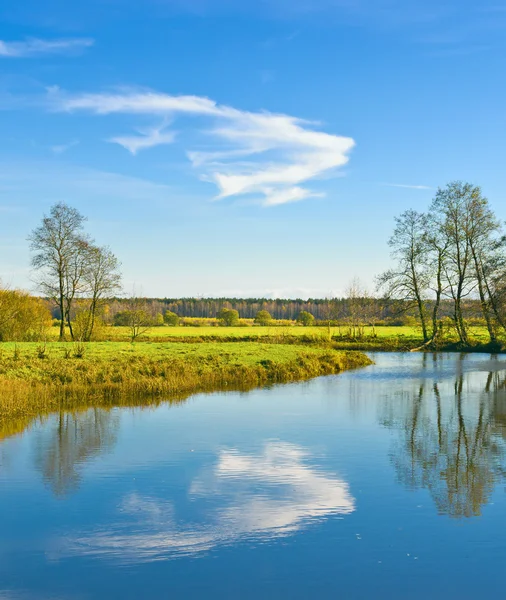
(439,291)
(485,309)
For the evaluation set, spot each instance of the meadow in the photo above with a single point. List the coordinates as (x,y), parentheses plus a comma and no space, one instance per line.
(379,337)
(36,379)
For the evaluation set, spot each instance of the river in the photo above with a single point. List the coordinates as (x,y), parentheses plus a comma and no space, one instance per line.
(385,482)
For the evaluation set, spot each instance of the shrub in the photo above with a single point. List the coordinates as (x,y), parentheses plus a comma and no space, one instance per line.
(228,317)
(305,318)
(22,317)
(122,319)
(263,318)
(171,318)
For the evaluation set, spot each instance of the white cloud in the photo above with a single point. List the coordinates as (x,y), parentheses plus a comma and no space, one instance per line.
(250,505)
(294,194)
(149,138)
(35,47)
(284,152)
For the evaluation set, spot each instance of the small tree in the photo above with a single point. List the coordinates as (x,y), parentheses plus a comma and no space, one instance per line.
(171,319)
(102,279)
(305,318)
(361,309)
(228,317)
(263,318)
(137,318)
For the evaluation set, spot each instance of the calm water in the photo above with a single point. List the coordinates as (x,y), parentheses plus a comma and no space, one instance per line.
(382,483)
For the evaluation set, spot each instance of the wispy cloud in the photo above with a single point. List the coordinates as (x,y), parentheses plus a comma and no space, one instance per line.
(36,47)
(283,152)
(408,186)
(148,138)
(61,148)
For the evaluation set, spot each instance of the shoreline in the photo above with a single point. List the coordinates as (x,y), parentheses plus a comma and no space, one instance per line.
(31,386)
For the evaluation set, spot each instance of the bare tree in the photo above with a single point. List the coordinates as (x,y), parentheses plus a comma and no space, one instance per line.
(57,244)
(484,233)
(494,272)
(437,247)
(101,279)
(409,279)
(75,278)
(452,204)
(137,318)
(361,309)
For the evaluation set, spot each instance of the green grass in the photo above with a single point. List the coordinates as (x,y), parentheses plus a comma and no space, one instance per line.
(109,372)
(118,334)
(117,352)
(121,334)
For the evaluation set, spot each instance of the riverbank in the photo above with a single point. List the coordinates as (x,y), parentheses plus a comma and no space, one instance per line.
(37,379)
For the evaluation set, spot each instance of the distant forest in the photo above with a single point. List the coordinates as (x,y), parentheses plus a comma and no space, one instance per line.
(391,312)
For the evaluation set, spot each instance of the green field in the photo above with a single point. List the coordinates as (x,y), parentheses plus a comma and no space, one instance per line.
(118,334)
(239,353)
(375,337)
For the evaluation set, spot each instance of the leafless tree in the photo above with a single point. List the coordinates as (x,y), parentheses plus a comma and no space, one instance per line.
(409,279)
(101,279)
(57,245)
(137,318)
(452,204)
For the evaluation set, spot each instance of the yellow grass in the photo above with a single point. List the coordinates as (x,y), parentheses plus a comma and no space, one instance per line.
(109,372)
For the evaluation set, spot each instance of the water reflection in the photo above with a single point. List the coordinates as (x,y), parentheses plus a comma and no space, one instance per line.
(68,441)
(271,494)
(449,440)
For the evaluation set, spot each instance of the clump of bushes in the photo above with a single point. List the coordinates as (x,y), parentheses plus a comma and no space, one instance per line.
(170,318)
(263,318)
(228,317)
(305,319)
(23,318)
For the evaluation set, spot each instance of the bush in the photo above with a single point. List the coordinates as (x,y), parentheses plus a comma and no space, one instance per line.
(404,321)
(121,319)
(22,317)
(305,318)
(228,317)
(171,318)
(86,328)
(263,318)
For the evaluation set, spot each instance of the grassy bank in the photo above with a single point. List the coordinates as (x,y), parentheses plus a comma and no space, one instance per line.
(36,380)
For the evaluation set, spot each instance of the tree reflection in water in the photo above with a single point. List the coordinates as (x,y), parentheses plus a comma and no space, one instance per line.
(68,441)
(451,441)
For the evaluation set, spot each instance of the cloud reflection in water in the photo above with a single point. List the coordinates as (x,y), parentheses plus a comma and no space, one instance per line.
(263,496)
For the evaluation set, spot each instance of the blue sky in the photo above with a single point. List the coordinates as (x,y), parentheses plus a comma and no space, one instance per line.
(247,148)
